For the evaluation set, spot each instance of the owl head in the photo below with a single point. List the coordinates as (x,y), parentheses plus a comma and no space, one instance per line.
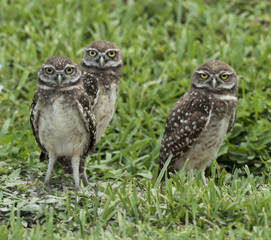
(59,71)
(215,76)
(102,55)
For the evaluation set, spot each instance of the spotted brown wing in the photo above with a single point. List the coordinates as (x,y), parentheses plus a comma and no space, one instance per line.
(91,87)
(88,117)
(232,121)
(186,121)
(34,121)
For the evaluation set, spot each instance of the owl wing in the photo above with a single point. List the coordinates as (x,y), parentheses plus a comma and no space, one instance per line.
(91,87)
(88,117)
(232,121)
(186,121)
(34,120)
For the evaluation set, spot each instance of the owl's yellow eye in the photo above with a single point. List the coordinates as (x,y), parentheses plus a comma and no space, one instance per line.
(224,76)
(204,75)
(111,54)
(92,53)
(69,70)
(49,70)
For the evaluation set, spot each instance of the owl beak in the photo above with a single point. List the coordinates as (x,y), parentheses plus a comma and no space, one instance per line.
(214,83)
(59,79)
(101,61)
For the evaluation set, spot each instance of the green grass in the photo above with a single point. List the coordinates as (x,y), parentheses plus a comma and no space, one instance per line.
(161,42)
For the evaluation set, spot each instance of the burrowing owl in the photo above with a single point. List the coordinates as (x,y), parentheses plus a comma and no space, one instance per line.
(61,117)
(198,122)
(101,65)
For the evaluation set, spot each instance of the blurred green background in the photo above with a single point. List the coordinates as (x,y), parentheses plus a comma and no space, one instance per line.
(162,42)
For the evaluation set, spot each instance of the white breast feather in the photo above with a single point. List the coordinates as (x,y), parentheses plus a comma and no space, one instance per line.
(104,110)
(61,129)
(206,146)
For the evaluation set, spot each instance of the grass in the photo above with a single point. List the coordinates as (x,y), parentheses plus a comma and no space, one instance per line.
(161,42)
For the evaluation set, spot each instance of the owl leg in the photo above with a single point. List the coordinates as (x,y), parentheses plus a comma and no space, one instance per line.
(85,179)
(52,160)
(75,170)
(203,179)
